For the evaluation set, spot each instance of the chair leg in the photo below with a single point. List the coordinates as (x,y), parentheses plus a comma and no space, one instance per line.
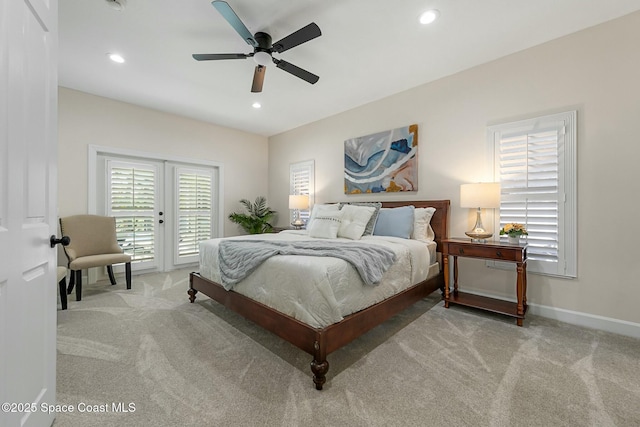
(63,292)
(72,281)
(127,269)
(112,278)
(78,285)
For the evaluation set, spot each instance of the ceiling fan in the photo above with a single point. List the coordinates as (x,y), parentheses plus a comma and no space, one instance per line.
(263,49)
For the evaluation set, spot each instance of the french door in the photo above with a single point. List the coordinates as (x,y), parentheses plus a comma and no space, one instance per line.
(163,209)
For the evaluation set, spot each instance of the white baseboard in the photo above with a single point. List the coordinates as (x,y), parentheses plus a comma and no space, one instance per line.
(608,324)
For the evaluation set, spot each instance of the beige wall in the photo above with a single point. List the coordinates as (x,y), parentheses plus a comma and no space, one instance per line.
(91,120)
(596,72)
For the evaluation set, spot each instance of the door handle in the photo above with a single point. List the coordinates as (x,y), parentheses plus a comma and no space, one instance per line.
(64,240)
(161,221)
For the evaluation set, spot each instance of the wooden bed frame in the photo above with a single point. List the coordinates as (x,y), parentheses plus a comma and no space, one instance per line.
(319,342)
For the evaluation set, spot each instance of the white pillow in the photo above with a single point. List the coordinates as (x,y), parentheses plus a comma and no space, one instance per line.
(422,224)
(368,230)
(320,208)
(326,225)
(354,221)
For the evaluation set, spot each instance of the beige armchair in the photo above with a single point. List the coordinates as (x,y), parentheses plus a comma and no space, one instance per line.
(93,244)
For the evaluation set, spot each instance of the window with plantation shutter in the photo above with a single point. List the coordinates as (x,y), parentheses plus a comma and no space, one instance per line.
(301,182)
(194,210)
(535,165)
(131,200)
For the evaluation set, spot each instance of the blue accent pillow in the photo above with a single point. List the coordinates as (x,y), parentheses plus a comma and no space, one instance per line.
(395,222)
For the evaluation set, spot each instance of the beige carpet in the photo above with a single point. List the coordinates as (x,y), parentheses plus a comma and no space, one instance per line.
(182,364)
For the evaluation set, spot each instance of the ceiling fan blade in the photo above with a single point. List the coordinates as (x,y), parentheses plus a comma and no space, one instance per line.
(231,17)
(303,35)
(296,71)
(258,78)
(214,56)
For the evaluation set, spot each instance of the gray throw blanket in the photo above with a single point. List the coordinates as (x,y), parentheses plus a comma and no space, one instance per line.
(238,258)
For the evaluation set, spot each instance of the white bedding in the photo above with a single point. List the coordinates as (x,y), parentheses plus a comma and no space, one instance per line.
(320,291)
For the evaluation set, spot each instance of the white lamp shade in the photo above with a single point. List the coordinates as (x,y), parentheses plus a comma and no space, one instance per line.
(299,201)
(480,195)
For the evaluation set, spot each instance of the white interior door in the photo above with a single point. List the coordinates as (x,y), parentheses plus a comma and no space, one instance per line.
(28,207)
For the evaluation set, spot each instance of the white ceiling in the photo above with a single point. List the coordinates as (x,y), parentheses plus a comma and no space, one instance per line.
(369,49)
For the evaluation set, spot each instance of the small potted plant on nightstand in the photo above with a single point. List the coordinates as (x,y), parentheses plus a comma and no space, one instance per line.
(513,230)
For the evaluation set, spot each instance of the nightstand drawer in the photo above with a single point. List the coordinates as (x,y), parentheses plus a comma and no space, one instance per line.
(488,252)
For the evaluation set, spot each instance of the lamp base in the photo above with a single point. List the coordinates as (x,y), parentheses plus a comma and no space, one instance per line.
(478,234)
(297,224)
(480,237)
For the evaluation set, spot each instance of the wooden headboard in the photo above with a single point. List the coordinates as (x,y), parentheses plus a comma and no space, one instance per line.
(440,219)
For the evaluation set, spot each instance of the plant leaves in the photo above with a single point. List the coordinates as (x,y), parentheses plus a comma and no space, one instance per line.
(257,218)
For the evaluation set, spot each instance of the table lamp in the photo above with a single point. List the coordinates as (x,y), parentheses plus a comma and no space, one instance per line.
(480,195)
(296,203)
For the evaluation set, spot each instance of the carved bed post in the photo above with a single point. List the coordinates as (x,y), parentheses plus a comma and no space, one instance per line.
(192,292)
(319,364)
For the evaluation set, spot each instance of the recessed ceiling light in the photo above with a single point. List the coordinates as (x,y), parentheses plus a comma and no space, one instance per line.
(115,58)
(429,16)
(256,105)
(117,4)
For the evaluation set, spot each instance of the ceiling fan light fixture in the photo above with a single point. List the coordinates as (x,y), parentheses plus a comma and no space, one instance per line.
(429,16)
(262,58)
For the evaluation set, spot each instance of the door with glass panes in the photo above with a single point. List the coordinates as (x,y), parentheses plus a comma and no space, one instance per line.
(163,210)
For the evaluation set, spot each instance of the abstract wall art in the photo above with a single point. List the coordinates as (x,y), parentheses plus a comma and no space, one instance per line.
(382,162)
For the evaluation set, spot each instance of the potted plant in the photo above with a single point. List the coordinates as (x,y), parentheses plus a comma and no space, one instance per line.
(257,216)
(514,231)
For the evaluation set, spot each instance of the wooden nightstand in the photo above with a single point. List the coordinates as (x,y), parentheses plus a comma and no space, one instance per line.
(279,229)
(497,251)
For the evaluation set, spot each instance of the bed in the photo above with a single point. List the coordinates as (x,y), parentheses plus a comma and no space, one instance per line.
(320,335)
